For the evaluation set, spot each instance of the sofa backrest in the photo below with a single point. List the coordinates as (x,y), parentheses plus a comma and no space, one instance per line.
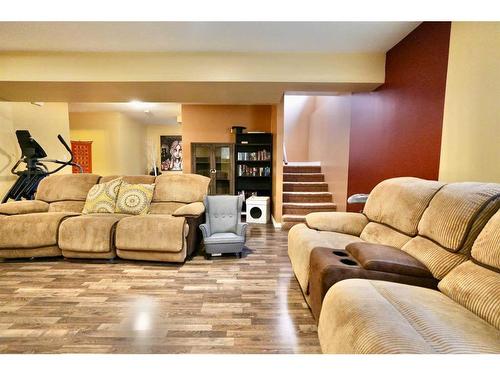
(139,179)
(223,212)
(451,224)
(395,207)
(182,188)
(475,284)
(66,187)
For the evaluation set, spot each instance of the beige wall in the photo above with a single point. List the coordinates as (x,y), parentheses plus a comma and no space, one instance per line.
(44,123)
(470,147)
(118,143)
(329,130)
(277,128)
(212,123)
(298,110)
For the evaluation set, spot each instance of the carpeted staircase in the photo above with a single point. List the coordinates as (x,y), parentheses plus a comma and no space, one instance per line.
(304,191)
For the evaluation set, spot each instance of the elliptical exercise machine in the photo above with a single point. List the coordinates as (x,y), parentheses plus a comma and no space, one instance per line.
(33,155)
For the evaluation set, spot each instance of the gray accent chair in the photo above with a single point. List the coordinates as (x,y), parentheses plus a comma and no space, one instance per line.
(223,231)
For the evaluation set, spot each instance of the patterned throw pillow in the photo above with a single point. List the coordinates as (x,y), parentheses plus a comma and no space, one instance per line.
(102,197)
(134,199)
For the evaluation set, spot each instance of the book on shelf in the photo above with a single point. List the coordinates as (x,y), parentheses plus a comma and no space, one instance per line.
(262,155)
(247,171)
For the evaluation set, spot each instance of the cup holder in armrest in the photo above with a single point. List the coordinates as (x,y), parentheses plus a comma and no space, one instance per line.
(340,253)
(349,262)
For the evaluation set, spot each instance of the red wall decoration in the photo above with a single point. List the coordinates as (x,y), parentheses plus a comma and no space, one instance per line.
(396,130)
(82,154)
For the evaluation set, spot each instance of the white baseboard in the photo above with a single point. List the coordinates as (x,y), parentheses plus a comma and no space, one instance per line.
(275,223)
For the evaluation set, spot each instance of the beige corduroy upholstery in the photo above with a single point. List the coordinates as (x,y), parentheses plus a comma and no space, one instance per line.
(23,207)
(396,203)
(411,214)
(379,317)
(35,234)
(89,236)
(365,316)
(453,220)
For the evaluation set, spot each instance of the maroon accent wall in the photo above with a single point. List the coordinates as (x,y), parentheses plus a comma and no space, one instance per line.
(396,130)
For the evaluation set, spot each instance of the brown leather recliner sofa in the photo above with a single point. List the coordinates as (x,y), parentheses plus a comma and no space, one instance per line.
(430,224)
(52,225)
(379,317)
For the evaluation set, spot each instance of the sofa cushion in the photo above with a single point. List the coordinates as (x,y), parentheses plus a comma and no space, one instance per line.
(101,198)
(384,258)
(438,260)
(134,199)
(400,202)
(343,222)
(453,210)
(163,233)
(92,233)
(66,187)
(30,230)
(190,209)
(382,234)
(367,316)
(23,207)
(476,288)
(137,179)
(486,248)
(221,238)
(67,206)
(176,187)
(167,208)
(302,240)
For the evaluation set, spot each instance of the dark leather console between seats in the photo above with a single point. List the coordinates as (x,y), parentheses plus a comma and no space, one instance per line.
(362,261)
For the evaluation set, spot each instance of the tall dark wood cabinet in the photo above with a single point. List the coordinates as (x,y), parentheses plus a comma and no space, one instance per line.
(254,161)
(216,161)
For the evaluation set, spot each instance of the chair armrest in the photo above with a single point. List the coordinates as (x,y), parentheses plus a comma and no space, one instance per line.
(191,209)
(357,198)
(344,222)
(23,207)
(241,229)
(205,230)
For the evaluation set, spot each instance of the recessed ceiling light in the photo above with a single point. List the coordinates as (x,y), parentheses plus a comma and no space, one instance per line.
(137,104)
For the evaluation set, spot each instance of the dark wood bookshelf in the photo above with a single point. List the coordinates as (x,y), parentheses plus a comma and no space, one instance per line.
(254,163)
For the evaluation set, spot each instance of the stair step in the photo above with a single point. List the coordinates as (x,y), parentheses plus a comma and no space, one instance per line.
(307,208)
(289,221)
(303,177)
(307,197)
(305,186)
(301,169)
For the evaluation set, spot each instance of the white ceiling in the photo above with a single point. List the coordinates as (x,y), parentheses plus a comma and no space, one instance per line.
(158,113)
(331,37)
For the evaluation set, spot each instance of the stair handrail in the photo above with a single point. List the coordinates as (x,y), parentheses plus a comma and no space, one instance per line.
(285,158)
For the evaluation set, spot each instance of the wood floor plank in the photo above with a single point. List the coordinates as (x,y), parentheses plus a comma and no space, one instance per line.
(223,305)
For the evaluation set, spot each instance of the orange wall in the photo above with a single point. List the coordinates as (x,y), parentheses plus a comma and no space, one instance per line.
(212,123)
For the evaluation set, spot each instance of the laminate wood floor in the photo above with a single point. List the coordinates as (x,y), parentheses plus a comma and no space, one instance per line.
(226,305)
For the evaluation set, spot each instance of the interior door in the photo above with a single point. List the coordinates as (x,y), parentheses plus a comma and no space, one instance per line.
(223,176)
(203,163)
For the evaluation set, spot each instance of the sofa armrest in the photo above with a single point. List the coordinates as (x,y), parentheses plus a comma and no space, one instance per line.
(344,222)
(241,229)
(23,207)
(191,209)
(205,230)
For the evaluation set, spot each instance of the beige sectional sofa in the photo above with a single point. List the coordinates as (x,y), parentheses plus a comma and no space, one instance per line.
(52,225)
(434,222)
(379,317)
